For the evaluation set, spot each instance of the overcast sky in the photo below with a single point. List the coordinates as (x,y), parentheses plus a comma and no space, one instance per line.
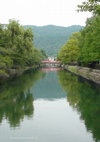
(42,12)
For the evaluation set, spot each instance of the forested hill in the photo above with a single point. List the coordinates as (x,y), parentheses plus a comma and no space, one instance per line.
(51,38)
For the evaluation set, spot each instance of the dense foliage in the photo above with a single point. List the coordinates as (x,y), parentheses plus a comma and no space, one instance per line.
(91,6)
(87,50)
(70,51)
(16,47)
(90,41)
(51,38)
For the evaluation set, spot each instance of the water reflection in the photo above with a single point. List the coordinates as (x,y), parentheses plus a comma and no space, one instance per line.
(16,100)
(40,95)
(48,88)
(85,98)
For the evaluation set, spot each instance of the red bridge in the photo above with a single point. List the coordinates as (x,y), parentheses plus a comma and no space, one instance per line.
(47,61)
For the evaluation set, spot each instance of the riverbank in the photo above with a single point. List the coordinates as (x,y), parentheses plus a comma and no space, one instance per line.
(10,73)
(88,73)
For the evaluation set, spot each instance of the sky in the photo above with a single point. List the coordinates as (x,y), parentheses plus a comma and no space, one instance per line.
(43,12)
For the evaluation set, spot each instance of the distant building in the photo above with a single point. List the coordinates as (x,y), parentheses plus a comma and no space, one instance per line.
(52,58)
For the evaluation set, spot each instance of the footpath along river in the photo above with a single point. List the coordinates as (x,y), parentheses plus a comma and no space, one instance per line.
(49,105)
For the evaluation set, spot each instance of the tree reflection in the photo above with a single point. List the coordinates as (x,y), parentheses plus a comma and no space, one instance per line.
(85,98)
(16,100)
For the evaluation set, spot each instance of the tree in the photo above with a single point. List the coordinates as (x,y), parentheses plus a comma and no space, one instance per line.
(91,6)
(16,47)
(43,53)
(70,51)
(90,41)
(35,57)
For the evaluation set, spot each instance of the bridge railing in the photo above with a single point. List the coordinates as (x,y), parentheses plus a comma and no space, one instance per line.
(47,61)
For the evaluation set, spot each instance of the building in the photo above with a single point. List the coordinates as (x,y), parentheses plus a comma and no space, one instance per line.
(52,58)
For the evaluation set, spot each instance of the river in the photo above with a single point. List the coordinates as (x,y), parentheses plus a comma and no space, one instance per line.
(49,105)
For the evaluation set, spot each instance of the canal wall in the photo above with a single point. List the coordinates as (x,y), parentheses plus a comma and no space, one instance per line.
(88,73)
(10,73)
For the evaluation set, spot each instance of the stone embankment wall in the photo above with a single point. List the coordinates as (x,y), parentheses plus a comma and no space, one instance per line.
(88,73)
(10,73)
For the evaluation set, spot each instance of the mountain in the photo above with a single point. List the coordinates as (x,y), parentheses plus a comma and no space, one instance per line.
(51,38)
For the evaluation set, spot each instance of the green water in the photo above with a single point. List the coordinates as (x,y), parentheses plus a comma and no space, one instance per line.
(49,106)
